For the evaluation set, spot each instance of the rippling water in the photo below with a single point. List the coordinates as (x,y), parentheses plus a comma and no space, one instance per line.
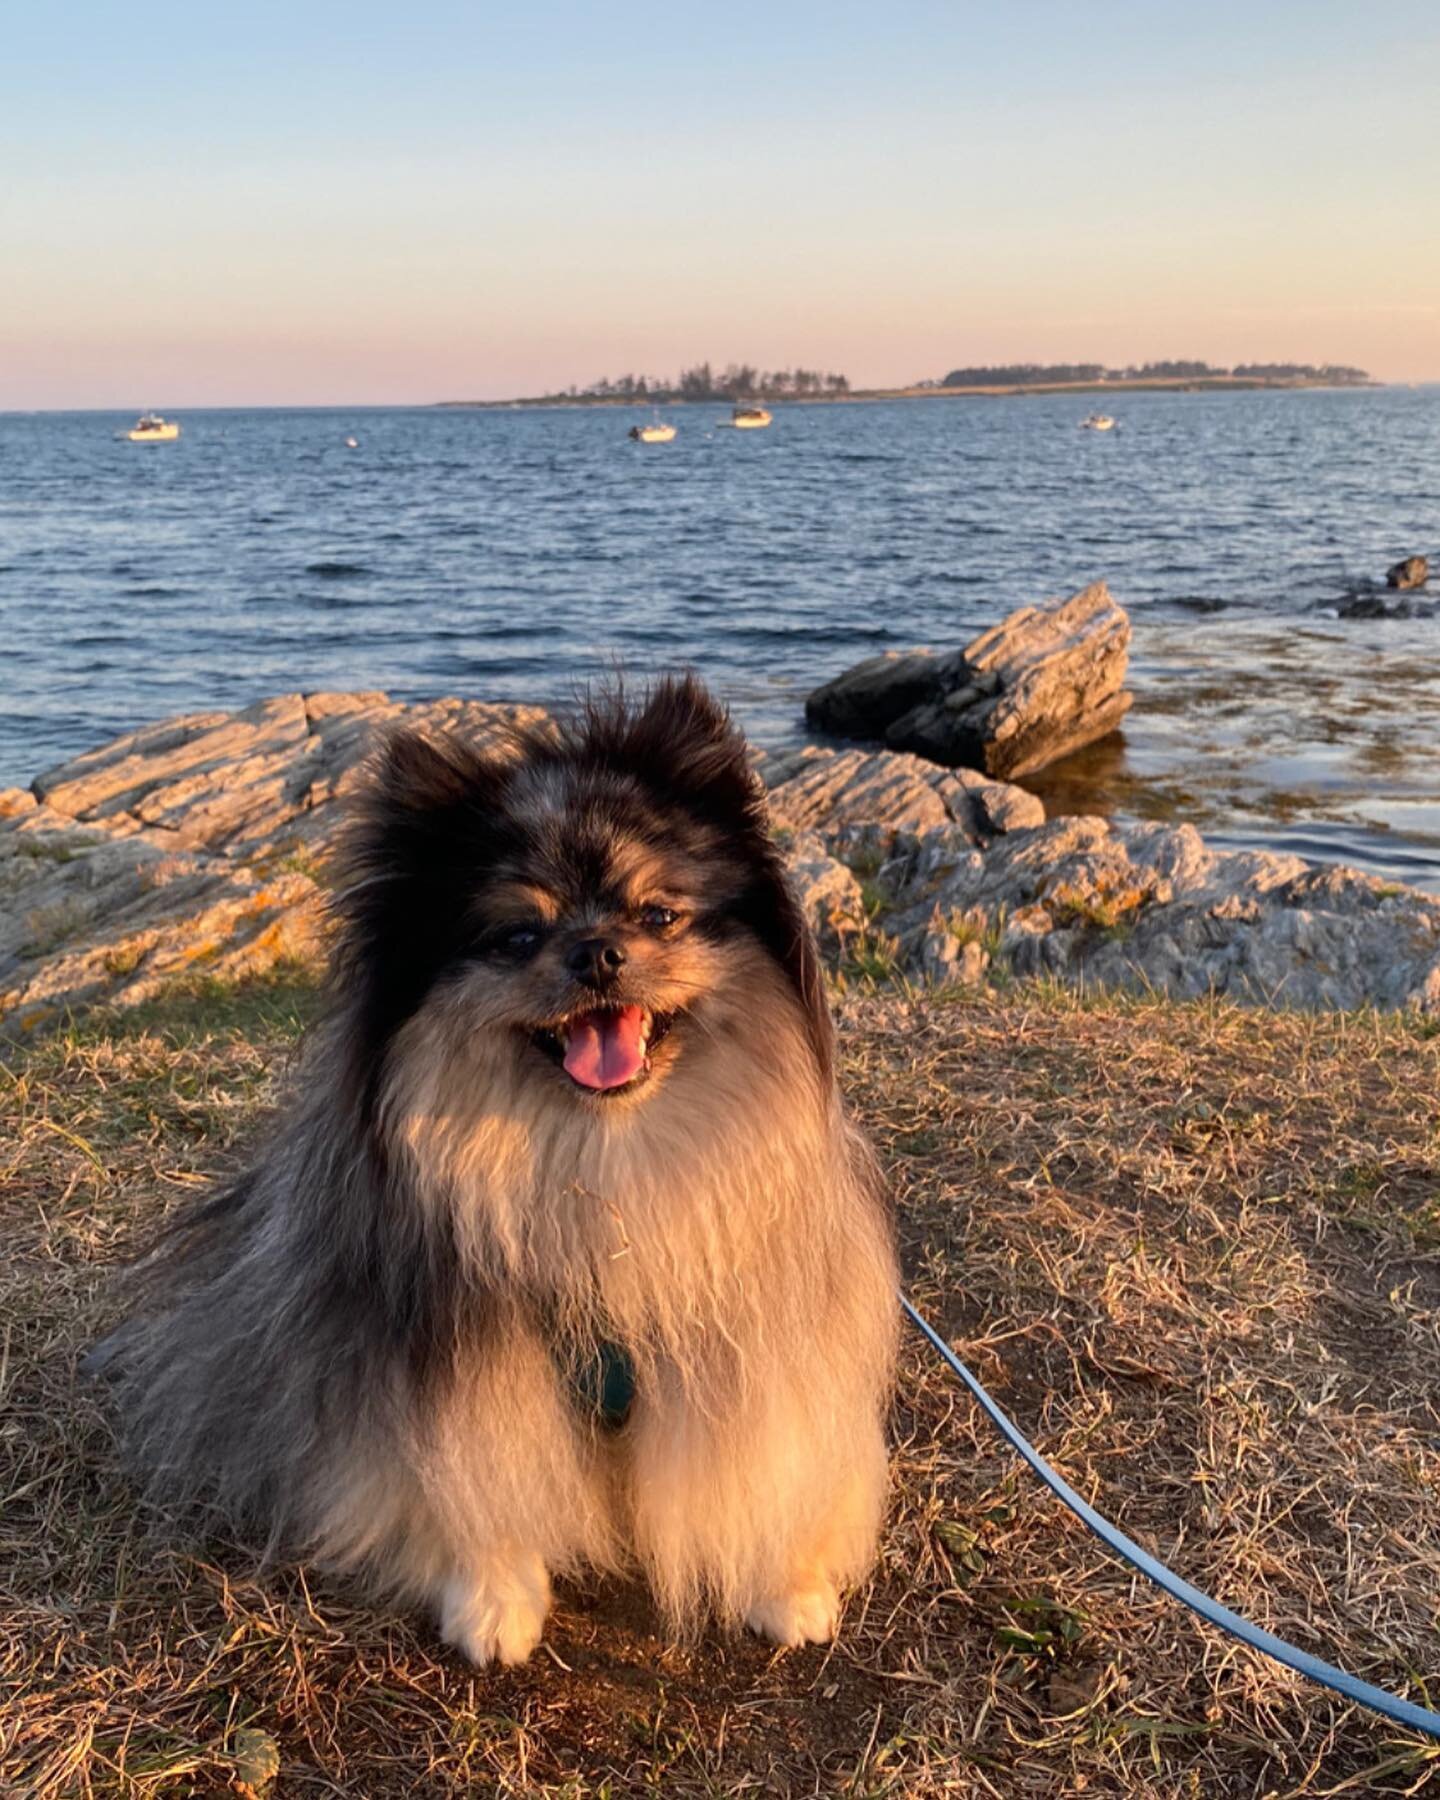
(503,554)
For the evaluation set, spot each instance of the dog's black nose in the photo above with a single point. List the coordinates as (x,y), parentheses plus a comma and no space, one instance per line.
(595,961)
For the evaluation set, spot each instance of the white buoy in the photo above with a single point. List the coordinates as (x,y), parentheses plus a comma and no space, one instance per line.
(352,443)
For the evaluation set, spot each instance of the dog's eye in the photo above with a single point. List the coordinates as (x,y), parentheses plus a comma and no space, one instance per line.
(656,918)
(518,940)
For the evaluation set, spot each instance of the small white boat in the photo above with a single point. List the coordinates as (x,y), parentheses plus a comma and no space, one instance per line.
(1098,422)
(658,433)
(150,428)
(750,418)
(352,443)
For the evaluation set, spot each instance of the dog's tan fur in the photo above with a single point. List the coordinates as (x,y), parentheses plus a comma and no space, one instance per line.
(721,1222)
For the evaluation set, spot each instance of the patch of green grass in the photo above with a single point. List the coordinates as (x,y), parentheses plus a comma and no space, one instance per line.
(39,849)
(965,928)
(977,927)
(281,1003)
(1110,913)
(1359,1181)
(292,858)
(275,1007)
(873,899)
(871,955)
(301,862)
(865,861)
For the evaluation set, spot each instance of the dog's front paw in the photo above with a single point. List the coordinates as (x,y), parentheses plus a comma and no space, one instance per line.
(499,1614)
(800,1615)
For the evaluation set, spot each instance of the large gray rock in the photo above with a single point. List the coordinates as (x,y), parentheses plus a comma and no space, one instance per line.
(1383,603)
(1044,682)
(829,893)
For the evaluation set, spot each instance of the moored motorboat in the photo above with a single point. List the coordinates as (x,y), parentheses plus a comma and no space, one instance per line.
(1098,422)
(658,433)
(150,428)
(749,418)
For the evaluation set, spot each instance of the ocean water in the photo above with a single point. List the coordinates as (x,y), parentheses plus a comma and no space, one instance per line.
(508,554)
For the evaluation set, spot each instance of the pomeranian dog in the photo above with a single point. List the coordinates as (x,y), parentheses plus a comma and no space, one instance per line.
(565,1256)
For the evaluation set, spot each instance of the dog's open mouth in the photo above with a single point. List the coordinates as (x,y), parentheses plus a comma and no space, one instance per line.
(607,1049)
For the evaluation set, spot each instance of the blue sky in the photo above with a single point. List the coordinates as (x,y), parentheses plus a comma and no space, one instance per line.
(312,203)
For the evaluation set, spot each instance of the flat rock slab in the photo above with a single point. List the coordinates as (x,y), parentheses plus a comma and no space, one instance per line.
(1044,682)
(243,781)
(195,846)
(90,915)
(825,790)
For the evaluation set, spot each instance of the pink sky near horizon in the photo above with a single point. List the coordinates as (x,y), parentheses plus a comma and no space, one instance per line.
(337,208)
(476,339)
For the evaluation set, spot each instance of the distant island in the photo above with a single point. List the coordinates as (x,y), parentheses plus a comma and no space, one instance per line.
(738,382)
(1017,375)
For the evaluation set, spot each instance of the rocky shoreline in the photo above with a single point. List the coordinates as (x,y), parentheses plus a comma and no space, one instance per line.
(198,847)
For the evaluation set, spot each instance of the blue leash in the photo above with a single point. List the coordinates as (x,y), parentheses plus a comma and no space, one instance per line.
(1403,1712)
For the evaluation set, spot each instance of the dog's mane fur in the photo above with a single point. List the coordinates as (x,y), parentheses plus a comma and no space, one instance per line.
(352,1348)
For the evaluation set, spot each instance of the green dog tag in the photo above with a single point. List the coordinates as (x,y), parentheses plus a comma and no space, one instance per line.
(605,1384)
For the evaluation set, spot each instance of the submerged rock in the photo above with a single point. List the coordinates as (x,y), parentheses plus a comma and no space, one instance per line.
(1384,603)
(1045,681)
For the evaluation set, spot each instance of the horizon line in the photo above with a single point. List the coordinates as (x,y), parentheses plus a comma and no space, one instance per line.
(550,401)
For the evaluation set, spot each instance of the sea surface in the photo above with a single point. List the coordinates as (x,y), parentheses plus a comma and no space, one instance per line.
(509,554)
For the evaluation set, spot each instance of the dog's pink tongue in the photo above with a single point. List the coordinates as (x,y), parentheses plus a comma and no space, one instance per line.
(605,1049)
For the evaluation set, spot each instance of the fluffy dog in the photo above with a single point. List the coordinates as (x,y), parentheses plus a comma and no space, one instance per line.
(565,1255)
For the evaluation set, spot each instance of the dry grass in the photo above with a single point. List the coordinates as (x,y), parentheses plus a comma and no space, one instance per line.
(1194,1250)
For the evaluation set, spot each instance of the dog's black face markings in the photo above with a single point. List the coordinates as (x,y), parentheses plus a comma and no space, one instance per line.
(686,756)
(444,819)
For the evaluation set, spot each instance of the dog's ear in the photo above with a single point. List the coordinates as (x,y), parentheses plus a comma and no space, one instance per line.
(678,740)
(704,753)
(431,815)
(419,774)
(426,801)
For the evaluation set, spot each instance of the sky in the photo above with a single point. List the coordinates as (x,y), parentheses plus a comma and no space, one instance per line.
(316,203)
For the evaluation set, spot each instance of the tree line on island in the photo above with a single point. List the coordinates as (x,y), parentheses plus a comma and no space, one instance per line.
(736,381)
(1035,374)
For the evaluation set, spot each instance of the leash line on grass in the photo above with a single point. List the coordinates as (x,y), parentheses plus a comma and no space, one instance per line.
(1403,1712)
